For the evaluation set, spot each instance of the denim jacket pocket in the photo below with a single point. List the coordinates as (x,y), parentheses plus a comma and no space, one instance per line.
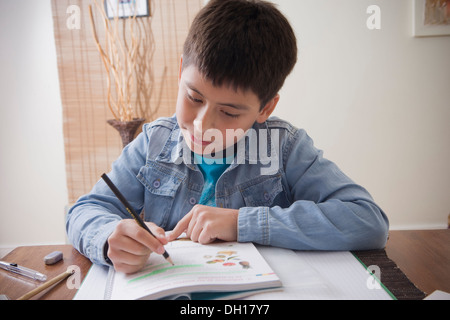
(266,191)
(161,185)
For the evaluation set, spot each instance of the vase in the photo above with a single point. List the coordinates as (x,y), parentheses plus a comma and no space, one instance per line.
(127,129)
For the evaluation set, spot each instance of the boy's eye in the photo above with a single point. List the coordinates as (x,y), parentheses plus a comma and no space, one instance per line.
(193,99)
(231,115)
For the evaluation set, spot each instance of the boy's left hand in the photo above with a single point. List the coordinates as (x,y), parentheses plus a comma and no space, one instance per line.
(205,224)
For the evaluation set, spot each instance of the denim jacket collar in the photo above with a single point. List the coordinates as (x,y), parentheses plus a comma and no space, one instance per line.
(173,148)
(176,151)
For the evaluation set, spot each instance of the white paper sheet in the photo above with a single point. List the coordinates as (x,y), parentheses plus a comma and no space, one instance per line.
(321,275)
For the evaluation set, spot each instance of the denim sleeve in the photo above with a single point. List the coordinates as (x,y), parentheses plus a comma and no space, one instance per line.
(329,211)
(94,217)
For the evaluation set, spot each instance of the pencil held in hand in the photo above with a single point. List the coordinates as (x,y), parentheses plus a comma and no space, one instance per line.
(131,211)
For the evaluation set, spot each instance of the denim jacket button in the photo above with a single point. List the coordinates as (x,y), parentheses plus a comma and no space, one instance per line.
(192,201)
(156,184)
(266,195)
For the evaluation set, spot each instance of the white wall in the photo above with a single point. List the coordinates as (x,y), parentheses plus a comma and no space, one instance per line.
(376,101)
(33,190)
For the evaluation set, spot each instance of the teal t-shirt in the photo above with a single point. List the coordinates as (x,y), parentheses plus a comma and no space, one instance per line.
(212,170)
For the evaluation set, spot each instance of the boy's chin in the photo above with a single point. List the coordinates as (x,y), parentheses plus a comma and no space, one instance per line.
(208,152)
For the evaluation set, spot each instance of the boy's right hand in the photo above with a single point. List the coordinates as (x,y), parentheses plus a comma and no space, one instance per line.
(130,245)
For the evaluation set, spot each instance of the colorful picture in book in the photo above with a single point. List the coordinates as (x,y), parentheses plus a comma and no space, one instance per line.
(227,258)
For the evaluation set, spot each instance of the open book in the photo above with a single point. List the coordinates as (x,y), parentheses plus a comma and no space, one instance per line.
(229,268)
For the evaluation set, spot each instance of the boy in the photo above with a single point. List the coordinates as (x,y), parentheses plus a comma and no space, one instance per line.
(220,168)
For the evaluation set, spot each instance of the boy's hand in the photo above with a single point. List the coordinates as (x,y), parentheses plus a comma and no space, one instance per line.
(130,245)
(205,224)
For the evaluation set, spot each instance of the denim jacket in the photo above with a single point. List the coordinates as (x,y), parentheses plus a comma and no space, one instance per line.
(287,194)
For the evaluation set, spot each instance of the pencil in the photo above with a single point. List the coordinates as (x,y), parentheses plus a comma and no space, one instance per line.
(46,285)
(131,211)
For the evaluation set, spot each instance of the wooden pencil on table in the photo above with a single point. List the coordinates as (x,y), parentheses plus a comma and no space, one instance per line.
(46,285)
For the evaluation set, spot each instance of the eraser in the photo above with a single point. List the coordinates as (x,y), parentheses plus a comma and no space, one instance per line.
(53,257)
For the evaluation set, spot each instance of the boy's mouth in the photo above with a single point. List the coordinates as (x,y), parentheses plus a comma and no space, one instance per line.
(200,142)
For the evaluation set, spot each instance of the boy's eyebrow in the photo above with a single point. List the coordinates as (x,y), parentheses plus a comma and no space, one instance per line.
(235,106)
(232,105)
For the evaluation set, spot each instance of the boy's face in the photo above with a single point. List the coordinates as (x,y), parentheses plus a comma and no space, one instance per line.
(214,118)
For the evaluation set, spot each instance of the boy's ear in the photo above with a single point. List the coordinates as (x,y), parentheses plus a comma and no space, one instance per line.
(265,113)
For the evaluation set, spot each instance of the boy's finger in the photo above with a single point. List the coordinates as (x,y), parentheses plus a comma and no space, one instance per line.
(180,227)
(145,238)
(158,232)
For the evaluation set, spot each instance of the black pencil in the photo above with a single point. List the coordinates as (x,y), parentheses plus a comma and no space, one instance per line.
(131,211)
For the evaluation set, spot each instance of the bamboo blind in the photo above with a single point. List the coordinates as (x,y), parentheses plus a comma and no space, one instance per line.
(91,145)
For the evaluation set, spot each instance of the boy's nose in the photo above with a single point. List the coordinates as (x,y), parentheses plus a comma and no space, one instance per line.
(204,120)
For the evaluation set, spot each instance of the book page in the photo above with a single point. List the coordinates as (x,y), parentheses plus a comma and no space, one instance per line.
(223,266)
(94,284)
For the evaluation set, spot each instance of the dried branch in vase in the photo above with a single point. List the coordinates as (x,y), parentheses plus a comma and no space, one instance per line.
(126,55)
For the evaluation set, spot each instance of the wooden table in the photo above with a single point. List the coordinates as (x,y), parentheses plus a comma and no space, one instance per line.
(14,286)
(424,256)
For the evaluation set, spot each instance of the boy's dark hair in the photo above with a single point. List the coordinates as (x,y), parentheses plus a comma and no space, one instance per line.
(247,44)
